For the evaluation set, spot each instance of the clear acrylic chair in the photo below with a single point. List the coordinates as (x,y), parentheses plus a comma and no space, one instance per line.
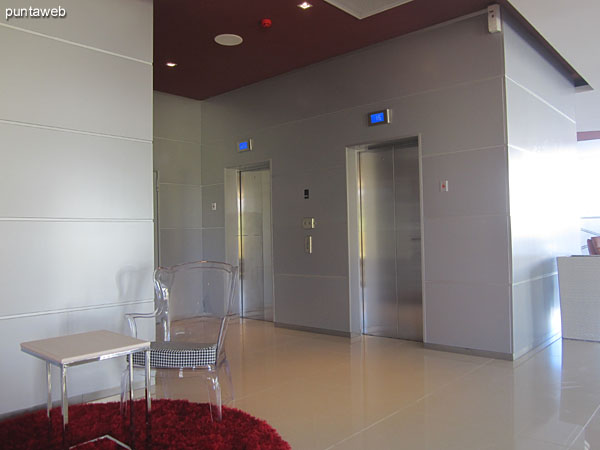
(194,303)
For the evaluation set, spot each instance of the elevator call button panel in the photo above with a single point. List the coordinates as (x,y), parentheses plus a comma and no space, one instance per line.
(308,223)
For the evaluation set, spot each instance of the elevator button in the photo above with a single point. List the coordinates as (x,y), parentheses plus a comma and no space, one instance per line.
(308,244)
(308,223)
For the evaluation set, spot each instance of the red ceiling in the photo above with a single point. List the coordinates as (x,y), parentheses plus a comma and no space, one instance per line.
(184,32)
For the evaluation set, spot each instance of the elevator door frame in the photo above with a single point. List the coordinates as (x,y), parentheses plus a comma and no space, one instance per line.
(354,228)
(233,230)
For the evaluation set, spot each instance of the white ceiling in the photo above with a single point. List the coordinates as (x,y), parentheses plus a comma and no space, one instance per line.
(365,8)
(570,27)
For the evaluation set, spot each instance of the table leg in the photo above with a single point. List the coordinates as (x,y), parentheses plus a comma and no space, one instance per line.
(148,401)
(147,373)
(49,386)
(65,405)
(131,422)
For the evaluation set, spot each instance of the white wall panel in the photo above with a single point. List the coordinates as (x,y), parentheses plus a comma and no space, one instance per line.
(534,125)
(177,161)
(330,250)
(213,244)
(472,316)
(87,22)
(536,313)
(467,249)
(180,206)
(177,118)
(214,193)
(531,65)
(317,302)
(533,254)
(213,161)
(544,216)
(327,202)
(73,175)
(24,379)
(61,265)
(466,117)
(177,158)
(477,183)
(587,111)
(179,246)
(51,83)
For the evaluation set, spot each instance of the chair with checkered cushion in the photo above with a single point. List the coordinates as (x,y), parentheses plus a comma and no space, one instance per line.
(194,304)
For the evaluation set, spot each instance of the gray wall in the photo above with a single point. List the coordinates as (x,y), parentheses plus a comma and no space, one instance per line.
(445,85)
(75,184)
(541,130)
(177,161)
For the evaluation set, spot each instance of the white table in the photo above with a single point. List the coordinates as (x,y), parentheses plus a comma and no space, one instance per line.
(75,349)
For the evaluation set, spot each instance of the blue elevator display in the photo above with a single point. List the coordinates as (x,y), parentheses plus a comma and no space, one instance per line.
(379,117)
(244,146)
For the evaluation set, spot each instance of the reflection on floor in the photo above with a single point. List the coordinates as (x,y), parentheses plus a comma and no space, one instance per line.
(325,392)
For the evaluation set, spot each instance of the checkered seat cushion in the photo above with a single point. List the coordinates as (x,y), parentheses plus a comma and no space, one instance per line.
(178,355)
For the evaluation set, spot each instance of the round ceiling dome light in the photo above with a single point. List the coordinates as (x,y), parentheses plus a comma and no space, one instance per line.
(228,40)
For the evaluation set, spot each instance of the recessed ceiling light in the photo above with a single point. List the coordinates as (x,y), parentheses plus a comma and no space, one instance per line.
(304,5)
(171,64)
(228,40)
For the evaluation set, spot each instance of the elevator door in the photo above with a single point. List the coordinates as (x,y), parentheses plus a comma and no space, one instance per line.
(255,244)
(391,241)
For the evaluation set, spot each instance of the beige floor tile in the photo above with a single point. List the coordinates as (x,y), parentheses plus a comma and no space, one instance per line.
(410,429)
(377,393)
(589,438)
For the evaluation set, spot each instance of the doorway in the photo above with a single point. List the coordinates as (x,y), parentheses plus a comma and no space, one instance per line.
(390,240)
(255,243)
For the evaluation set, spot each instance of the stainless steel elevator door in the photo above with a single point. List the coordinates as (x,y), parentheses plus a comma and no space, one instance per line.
(255,244)
(391,241)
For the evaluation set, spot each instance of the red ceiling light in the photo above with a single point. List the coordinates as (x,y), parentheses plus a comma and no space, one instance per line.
(266,23)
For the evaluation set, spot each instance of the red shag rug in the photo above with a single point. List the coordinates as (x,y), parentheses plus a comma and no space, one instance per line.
(175,424)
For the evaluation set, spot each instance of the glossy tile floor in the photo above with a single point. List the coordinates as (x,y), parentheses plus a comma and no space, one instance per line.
(326,392)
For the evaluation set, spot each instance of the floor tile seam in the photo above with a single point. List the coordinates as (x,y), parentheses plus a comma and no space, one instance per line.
(271,386)
(534,354)
(284,347)
(453,381)
(260,391)
(570,440)
(549,441)
(410,405)
(276,386)
(264,349)
(255,348)
(570,444)
(312,344)
(337,365)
